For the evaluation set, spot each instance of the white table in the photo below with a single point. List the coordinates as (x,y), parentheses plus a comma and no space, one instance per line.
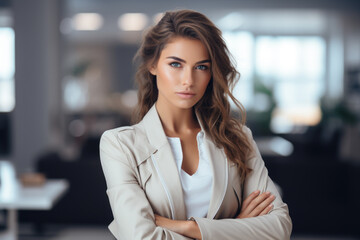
(42,197)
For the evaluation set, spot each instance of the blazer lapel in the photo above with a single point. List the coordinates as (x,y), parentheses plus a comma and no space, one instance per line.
(219,166)
(164,163)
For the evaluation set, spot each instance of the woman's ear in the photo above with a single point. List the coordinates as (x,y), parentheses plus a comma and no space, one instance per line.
(152,70)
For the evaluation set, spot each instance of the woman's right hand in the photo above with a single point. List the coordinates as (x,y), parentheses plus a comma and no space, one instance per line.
(256,204)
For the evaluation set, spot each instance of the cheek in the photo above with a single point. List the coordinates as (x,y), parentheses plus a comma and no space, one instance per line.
(204,80)
(166,78)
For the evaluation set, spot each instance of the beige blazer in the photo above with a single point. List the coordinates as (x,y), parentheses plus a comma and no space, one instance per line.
(142,179)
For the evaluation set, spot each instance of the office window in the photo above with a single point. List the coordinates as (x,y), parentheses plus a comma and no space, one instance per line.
(291,67)
(294,67)
(7,69)
(241,47)
(7,88)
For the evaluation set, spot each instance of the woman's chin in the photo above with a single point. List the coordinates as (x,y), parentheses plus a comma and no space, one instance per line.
(186,105)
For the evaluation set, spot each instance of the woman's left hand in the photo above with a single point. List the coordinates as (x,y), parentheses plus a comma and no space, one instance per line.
(186,228)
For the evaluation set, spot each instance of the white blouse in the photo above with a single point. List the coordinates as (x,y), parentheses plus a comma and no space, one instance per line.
(197,188)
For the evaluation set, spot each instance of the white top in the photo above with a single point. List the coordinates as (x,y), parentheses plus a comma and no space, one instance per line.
(197,188)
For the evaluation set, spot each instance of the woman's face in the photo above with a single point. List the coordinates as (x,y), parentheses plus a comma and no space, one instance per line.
(182,72)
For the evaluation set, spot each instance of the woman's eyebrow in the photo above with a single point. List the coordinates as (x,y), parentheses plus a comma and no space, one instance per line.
(182,60)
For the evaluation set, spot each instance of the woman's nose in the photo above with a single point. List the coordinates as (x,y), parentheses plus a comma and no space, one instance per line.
(188,78)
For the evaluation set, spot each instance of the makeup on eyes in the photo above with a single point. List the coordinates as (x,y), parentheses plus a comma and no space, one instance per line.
(178,64)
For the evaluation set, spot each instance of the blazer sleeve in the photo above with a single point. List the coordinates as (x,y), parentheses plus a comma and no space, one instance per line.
(133,215)
(274,225)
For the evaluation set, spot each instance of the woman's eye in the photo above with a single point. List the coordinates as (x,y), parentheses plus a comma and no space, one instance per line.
(175,64)
(202,67)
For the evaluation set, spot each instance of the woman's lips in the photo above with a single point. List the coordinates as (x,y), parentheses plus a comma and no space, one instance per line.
(185,95)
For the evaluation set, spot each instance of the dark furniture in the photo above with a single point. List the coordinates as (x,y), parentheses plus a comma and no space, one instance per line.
(86,201)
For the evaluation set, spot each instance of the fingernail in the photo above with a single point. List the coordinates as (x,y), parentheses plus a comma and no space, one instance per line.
(257,191)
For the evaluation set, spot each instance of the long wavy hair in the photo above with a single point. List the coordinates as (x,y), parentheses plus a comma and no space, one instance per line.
(213,108)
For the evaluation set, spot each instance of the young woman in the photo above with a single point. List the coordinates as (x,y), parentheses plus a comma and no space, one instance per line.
(188,169)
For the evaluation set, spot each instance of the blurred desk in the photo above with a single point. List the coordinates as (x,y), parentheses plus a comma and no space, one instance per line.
(42,197)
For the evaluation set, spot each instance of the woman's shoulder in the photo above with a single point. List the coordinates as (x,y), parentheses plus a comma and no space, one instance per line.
(131,137)
(246,130)
(130,140)
(117,130)
(123,133)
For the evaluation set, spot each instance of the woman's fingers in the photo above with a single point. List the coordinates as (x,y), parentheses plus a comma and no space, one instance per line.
(256,204)
(249,199)
(266,210)
(262,205)
(257,201)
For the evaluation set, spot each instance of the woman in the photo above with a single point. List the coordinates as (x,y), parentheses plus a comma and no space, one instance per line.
(188,169)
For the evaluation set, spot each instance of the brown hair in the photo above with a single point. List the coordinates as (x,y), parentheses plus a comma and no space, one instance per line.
(214,107)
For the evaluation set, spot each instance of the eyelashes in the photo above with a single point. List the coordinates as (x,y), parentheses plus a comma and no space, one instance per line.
(175,64)
(202,67)
(178,65)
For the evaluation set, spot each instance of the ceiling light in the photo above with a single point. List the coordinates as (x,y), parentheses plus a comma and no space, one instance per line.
(132,21)
(232,21)
(87,21)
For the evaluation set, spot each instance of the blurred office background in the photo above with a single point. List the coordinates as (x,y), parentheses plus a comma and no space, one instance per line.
(66,75)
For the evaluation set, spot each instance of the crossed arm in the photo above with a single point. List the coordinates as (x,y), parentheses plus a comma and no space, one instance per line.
(254,205)
(134,218)
(255,221)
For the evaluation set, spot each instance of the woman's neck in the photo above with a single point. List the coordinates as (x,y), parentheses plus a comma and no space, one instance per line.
(177,121)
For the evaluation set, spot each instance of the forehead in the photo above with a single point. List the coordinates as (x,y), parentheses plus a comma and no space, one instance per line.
(185,48)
